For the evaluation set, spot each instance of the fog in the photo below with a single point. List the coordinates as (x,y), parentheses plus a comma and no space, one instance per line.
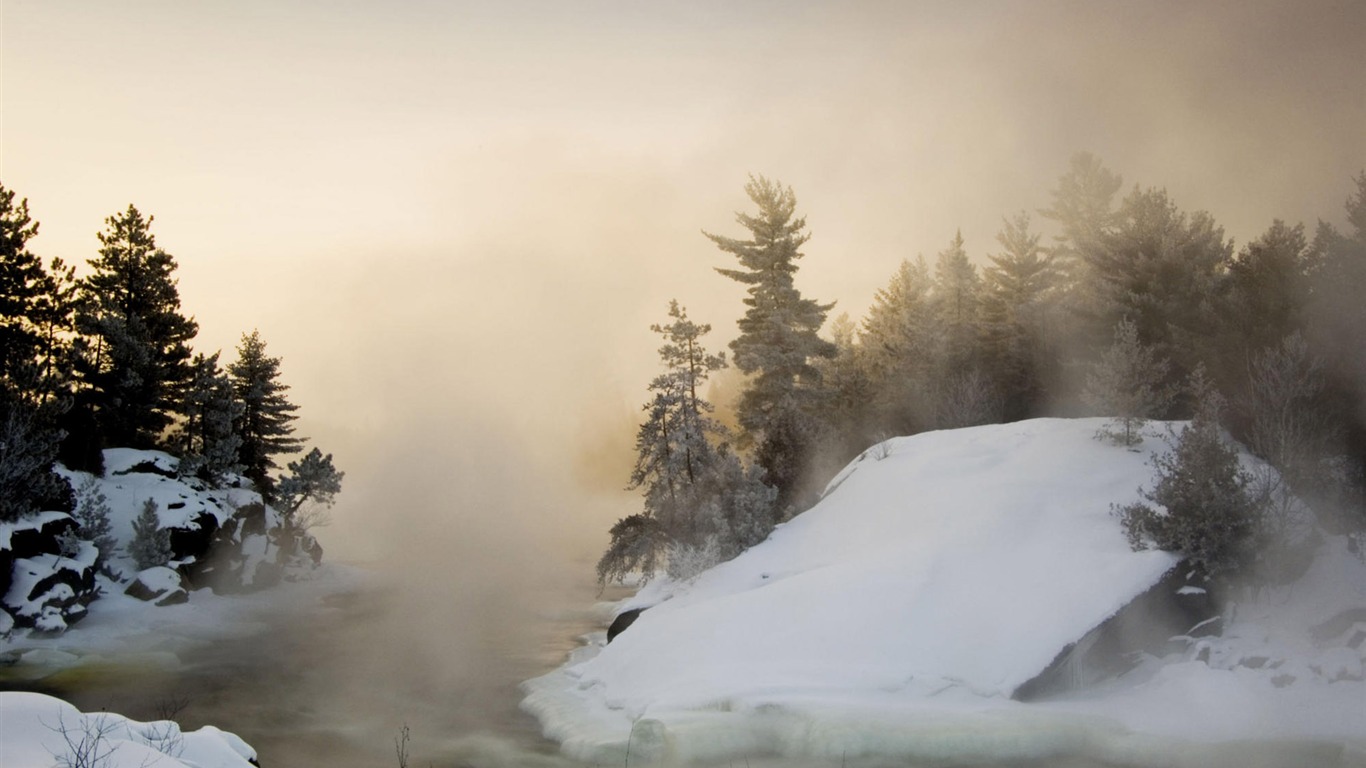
(454,222)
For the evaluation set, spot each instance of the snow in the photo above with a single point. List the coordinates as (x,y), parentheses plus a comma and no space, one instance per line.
(38,730)
(938,574)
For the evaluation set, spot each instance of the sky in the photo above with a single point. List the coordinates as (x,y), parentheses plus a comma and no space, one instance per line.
(455,222)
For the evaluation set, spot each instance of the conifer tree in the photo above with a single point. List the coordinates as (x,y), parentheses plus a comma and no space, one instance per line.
(312,479)
(701,504)
(265,421)
(138,363)
(1019,287)
(899,354)
(778,339)
(21,284)
(1126,383)
(151,544)
(208,445)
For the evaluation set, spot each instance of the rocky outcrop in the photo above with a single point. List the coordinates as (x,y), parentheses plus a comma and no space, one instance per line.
(41,587)
(1165,618)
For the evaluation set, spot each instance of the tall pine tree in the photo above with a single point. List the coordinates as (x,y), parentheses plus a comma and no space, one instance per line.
(265,422)
(21,286)
(138,361)
(778,338)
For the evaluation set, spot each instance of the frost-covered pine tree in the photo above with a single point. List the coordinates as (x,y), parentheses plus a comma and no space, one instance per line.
(698,507)
(151,544)
(1126,384)
(265,423)
(899,347)
(674,446)
(778,335)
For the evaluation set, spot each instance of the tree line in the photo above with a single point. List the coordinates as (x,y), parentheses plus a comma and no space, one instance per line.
(105,360)
(1134,309)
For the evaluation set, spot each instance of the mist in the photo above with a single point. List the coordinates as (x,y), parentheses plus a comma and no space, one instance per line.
(455,222)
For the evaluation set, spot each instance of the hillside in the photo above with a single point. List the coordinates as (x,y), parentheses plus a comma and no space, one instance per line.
(940,574)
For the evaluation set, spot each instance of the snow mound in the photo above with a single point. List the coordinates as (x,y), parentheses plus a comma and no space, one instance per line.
(939,573)
(40,730)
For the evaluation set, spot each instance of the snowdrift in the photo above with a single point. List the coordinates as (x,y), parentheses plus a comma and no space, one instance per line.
(939,573)
(40,730)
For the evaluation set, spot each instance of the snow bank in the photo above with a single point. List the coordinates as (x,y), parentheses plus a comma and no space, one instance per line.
(895,617)
(40,730)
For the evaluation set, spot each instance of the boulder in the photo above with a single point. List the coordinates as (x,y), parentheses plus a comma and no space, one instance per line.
(622,621)
(161,585)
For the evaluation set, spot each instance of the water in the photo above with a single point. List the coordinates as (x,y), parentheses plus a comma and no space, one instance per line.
(335,686)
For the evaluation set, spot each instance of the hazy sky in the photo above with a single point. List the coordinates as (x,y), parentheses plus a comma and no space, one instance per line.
(455,221)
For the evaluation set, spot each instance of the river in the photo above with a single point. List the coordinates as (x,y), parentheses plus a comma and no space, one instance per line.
(336,684)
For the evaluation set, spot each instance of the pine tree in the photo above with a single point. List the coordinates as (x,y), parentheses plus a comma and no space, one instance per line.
(1127,385)
(311,479)
(265,423)
(1207,514)
(674,447)
(778,339)
(22,282)
(206,440)
(1084,207)
(1161,269)
(92,514)
(138,364)
(1018,293)
(701,504)
(899,349)
(955,299)
(28,448)
(151,544)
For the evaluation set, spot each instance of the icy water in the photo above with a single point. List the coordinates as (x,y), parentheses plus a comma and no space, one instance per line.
(334,687)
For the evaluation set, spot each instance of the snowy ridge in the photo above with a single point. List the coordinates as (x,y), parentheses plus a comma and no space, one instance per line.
(898,615)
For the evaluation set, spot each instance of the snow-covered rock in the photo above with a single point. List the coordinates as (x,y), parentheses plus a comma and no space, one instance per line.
(163,586)
(41,730)
(900,614)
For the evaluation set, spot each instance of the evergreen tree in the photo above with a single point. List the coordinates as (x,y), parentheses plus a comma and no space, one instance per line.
(92,514)
(21,284)
(675,446)
(1084,208)
(701,504)
(138,363)
(28,448)
(311,479)
(1126,384)
(206,440)
(899,349)
(1207,514)
(778,339)
(151,544)
(265,421)
(1018,294)
(1161,270)
(955,300)
(845,400)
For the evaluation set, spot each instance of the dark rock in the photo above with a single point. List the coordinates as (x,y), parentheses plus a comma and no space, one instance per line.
(1282,680)
(148,467)
(162,586)
(193,541)
(622,621)
(1170,608)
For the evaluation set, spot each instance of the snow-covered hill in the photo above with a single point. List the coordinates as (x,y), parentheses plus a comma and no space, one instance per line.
(939,574)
